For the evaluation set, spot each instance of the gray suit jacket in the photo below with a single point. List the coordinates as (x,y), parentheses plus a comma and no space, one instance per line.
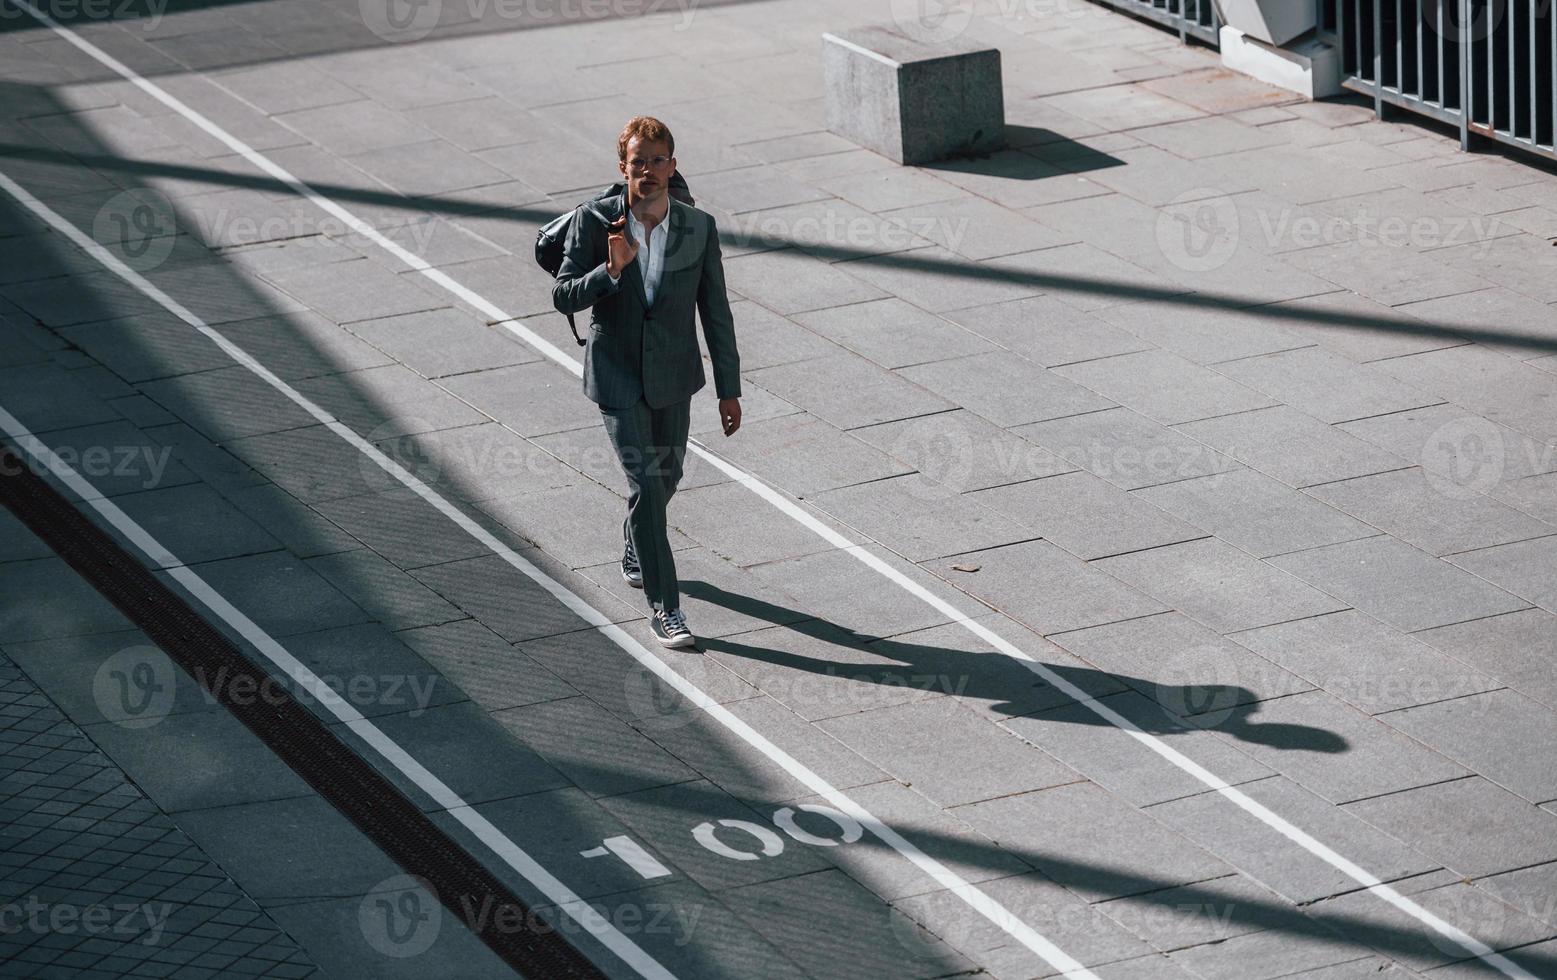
(637,350)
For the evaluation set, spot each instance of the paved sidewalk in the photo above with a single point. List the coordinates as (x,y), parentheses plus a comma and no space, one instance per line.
(1235,412)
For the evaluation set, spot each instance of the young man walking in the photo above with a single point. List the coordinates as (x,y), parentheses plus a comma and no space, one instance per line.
(641,276)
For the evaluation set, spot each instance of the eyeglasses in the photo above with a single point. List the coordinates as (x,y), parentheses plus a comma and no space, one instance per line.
(639,163)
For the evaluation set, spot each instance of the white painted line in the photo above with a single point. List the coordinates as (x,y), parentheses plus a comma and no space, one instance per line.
(306,680)
(969,893)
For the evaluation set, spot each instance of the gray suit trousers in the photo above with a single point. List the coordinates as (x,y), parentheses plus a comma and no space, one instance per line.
(651,444)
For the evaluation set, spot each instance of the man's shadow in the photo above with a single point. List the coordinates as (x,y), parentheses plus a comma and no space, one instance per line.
(1007,685)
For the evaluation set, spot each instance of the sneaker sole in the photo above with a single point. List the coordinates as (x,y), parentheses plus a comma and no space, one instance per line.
(676,642)
(636,583)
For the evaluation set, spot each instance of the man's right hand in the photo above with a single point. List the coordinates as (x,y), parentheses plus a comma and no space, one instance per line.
(620,248)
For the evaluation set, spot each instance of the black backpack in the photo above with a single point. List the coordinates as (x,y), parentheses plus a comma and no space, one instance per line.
(553,236)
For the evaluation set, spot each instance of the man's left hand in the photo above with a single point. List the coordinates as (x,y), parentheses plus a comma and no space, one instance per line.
(730,414)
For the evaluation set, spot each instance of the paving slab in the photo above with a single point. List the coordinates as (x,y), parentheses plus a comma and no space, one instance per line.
(1411,505)
(1367,664)
(1504,390)
(945,834)
(808,456)
(948,753)
(1046,588)
(1255,513)
(1214,583)
(1213,333)
(1090,852)
(284,850)
(962,451)
(849,391)
(1407,941)
(1188,669)
(1115,760)
(1523,568)
(1337,752)
(1047,331)
(782,912)
(1325,385)
(1220,826)
(1394,582)
(1065,510)
(1083,931)
(371,670)
(281,594)
(1006,390)
(744,772)
(186,761)
(510,603)
(1292,447)
(1500,735)
(916,518)
(595,751)
(1468,452)
(790,281)
(1164,386)
(50,600)
(892,333)
(1126,448)
(227,404)
(1515,648)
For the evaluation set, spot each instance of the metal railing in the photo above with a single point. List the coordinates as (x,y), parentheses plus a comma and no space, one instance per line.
(1191,18)
(1485,66)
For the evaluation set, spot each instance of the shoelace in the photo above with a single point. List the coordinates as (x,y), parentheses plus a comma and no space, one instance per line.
(674,621)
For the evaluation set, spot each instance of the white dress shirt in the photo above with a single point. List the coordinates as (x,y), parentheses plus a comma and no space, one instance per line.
(651,252)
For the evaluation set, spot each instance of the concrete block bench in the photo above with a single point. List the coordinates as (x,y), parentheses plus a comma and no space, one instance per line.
(913,101)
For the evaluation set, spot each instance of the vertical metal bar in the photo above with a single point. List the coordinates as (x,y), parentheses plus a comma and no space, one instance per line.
(1534,75)
(1378,58)
(1443,49)
(1400,45)
(1492,74)
(1552,24)
(1340,30)
(1416,28)
(1513,76)
(1467,84)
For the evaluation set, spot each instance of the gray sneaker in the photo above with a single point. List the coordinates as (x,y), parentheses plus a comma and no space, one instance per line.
(670,628)
(632,573)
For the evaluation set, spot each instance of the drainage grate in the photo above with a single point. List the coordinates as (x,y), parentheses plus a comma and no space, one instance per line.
(373,804)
